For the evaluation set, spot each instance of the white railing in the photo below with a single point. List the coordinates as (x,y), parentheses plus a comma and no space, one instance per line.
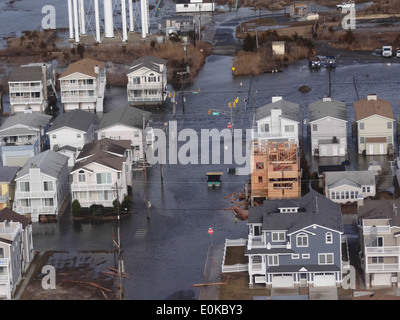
(390,250)
(4,262)
(78,98)
(382,267)
(25,100)
(4,278)
(236,267)
(379,229)
(93,187)
(144,86)
(255,242)
(76,87)
(88,203)
(34,194)
(155,98)
(25,88)
(235,242)
(36,210)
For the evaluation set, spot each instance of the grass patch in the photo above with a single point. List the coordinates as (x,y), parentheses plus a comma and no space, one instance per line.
(237,287)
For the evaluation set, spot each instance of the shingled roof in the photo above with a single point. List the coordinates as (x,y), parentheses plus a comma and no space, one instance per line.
(75,119)
(372,105)
(85,66)
(129,116)
(290,110)
(9,215)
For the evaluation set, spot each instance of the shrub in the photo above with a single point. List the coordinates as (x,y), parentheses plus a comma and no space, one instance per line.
(96,209)
(76,207)
(127,204)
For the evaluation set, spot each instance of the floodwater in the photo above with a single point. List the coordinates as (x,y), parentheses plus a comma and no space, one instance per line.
(165,250)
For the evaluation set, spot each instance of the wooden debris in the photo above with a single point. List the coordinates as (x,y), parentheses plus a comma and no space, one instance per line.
(90,283)
(208,284)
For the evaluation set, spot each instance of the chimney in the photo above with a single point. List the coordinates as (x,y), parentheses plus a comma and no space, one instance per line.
(360,201)
(276,98)
(326,99)
(96,69)
(371,97)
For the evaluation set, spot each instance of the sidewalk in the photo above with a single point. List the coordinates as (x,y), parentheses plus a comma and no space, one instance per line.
(212,273)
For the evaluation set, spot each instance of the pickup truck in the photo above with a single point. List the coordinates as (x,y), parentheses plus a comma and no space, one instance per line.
(345,5)
(314,62)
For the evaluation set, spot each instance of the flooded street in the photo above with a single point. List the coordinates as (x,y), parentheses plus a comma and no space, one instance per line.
(166,254)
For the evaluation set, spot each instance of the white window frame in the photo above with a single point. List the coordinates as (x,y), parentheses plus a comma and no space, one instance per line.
(278,236)
(328,238)
(303,237)
(325,258)
(273,260)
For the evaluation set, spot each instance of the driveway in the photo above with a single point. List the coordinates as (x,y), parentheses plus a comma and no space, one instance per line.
(323,293)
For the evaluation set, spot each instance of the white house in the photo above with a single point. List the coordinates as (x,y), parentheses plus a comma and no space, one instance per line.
(102,172)
(70,131)
(346,186)
(42,185)
(198,6)
(328,123)
(22,136)
(16,250)
(147,81)
(28,87)
(277,121)
(127,124)
(82,85)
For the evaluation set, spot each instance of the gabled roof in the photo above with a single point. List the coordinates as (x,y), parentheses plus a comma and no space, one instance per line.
(76,119)
(50,163)
(9,215)
(7,174)
(290,110)
(314,209)
(106,152)
(381,209)
(26,73)
(21,121)
(327,108)
(85,66)
(149,62)
(372,105)
(129,116)
(363,177)
(344,181)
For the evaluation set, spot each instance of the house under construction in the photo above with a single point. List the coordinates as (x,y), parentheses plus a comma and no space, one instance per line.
(275,170)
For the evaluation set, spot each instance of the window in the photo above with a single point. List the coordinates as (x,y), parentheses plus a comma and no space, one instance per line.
(260,165)
(278,236)
(81,176)
(302,240)
(295,256)
(264,127)
(289,128)
(389,125)
(24,186)
(333,195)
(347,195)
(325,258)
(82,194)
(1,252)
(103,178)
(152,78)
(78,135)
(361,125)
(377,259)
(136,80)
(305,256)
(48,186)
(328,237)
(53,136)
(102,135)
(136,134)
(362,140)
(315,127)
(273,260)
(48,202)
(389,139)
(260,179)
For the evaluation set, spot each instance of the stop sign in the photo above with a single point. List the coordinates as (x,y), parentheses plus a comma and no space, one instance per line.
(210,231)
(229,125)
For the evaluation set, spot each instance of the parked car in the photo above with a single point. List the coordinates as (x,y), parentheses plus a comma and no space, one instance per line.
(330,62)
(314,62)
(345,5)
(398,53)
(387,51)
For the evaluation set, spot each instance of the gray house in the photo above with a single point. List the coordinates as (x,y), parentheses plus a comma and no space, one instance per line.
(23,136)
(295,243)
(328,122)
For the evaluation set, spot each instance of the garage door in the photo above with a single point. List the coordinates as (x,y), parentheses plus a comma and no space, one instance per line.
(381,279)
(282,281)
(3,290)
(324,280)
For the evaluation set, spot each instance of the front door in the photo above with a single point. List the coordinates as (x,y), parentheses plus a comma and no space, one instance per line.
(381,149)
(371,149)
(303,279)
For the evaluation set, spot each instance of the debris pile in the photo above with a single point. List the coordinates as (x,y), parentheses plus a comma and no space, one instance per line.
(240,207)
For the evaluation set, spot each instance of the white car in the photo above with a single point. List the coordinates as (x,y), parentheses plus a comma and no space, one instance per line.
(345,5)
(398,54)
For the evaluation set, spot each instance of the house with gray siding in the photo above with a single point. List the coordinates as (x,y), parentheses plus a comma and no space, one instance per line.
(295,243)
(22,136)
(278,120)
(328,124)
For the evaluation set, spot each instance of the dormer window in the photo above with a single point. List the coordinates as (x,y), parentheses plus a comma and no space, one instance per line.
(286,210)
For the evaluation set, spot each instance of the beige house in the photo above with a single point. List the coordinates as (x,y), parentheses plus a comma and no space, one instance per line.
(375,125)
(379,227)
(82,85)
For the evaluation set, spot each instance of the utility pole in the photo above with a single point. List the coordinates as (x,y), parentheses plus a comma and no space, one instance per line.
(144,168)
(120,260)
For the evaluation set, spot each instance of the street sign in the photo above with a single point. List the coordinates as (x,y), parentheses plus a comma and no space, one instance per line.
(210,231)
(229,126)
(215,113)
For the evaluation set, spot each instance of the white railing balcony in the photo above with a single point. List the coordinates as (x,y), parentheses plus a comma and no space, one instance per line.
(382,267)
(23,100)
(4,278)
(25,88)
(34,194)
(94,187)
(36,210)
(258,135)
(255,242)
(4,198)
(144,86)
(79,98)
(386,250)
(77,87)
(379,229)
(153,98)
(257,267)
(87,203)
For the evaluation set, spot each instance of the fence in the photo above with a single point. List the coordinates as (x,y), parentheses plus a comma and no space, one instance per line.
(236,267)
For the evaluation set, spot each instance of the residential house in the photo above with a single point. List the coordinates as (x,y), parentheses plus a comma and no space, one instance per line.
(16,250)
(180,25)
(70,131)
(7,186)
(375,124)
(379,225)
(127,124)
(102,172)
(22,136)
(328,123)
(82,85)
(147,81)
(346,186)
(30,87)
(295,243)
(278,121)
(41,187)
(183,6)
